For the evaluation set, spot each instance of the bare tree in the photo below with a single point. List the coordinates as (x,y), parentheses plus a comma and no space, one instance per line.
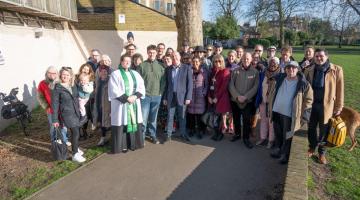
(284,9)
(352,4)
(189,22)
(226,7)
(258,10)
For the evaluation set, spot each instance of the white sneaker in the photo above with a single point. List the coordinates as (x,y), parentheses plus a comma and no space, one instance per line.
(269,145)
(101,142)
(68,144)
(80,152)
(78,158)
(93,127)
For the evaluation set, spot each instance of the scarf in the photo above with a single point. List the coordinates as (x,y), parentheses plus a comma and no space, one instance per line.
(319,78)
(270,73)
(131,108)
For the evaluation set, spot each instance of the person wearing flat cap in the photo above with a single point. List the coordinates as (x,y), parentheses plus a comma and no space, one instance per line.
(290,103)
(271,52)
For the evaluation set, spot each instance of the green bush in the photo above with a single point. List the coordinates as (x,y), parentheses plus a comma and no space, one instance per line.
(254,41)
(273,40)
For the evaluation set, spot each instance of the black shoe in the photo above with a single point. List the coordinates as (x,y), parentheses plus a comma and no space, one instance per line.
(235,137)
(186,138)
(167,139)
(275,153)
(248,144)
(191,133)
(199,135)
(219,137)
(83,120)
(214,137)
(154,140)
(283,159)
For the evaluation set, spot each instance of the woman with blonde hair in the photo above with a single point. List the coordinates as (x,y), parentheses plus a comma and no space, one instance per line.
(219,96)
(66,112)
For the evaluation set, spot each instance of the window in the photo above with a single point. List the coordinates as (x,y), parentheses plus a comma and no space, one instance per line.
(169,7)
(157,4)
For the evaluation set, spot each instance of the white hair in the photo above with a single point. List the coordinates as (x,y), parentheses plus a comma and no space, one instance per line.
(105,57)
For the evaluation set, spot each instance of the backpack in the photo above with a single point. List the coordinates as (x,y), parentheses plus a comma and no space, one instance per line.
(337,132)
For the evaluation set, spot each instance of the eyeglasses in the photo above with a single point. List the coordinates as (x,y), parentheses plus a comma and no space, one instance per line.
(217,61)
(66,68)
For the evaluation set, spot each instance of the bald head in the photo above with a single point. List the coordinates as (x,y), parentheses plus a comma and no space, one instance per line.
(246,60)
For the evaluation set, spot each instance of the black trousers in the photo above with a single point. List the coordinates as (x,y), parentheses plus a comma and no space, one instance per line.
(75,133)
(122,140)
(282,125)
(317,118)
(246,113)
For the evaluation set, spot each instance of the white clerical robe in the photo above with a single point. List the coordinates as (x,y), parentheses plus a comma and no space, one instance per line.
(116,89)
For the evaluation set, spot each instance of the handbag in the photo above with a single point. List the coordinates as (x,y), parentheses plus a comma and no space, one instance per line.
(210,119)
(337,132)
(58,146)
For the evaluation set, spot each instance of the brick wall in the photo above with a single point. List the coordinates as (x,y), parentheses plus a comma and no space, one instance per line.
(140,18)
(95,3)
(137,17)
(95,21)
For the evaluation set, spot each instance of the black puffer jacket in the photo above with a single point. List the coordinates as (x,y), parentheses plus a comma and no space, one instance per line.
(65,106)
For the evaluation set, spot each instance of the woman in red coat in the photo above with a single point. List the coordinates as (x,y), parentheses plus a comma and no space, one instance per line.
(219,95)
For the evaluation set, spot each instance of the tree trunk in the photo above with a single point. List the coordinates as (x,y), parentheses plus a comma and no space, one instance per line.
(189,22)
(281,22)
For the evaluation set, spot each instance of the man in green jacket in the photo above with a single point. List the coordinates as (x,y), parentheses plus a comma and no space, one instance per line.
(153,74)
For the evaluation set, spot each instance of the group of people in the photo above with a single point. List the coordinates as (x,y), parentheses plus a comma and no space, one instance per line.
(185,85)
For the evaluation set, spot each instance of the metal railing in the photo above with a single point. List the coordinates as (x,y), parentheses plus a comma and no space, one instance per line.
(60,8)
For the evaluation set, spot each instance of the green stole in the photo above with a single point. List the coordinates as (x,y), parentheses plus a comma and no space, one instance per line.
(131,108)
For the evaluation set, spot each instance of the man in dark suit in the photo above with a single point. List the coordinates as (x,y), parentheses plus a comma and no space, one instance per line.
(178,94)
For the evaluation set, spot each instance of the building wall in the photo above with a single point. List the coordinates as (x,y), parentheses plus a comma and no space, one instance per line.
(95,3)
(140,18)
(26,59)
(100,39)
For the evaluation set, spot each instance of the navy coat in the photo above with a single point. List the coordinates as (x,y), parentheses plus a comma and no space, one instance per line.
(184,86)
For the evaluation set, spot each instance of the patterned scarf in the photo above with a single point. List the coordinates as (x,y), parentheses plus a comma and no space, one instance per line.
(131,108)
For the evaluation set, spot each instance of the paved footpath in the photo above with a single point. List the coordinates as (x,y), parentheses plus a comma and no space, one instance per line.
(204,170)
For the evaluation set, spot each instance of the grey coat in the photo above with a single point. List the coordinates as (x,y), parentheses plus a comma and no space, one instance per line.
(65,106)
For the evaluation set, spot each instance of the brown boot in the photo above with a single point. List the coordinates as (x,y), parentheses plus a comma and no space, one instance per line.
(322,159)
(310,153)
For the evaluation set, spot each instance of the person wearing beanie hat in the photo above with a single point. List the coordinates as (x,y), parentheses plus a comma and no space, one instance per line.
(130,38)
(289,106)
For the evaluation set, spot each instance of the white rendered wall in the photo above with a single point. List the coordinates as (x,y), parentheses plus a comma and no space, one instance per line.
(26,59)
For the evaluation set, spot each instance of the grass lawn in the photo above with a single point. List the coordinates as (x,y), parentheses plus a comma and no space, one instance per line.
(341,178)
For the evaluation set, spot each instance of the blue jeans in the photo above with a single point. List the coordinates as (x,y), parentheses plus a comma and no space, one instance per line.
(150,107)
(63,130)
(181,114)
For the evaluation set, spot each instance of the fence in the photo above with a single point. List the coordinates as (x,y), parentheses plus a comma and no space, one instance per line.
(59,8)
